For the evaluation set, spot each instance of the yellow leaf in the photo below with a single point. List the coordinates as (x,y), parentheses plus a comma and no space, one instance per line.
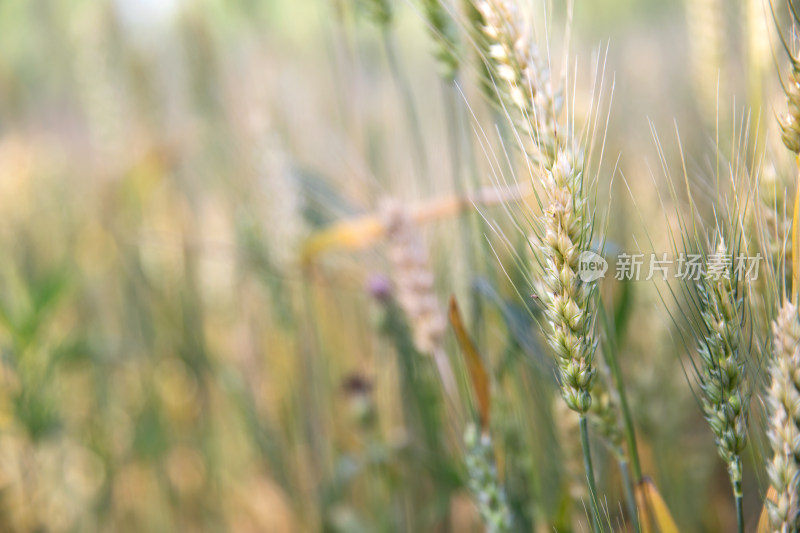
(763,520)
(363,231)
(477,372)
(654,515)
(349,235)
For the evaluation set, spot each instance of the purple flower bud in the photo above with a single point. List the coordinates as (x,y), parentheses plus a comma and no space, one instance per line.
(379,287)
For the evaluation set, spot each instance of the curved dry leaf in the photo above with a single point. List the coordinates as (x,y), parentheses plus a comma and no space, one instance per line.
(654,515)
(477,371)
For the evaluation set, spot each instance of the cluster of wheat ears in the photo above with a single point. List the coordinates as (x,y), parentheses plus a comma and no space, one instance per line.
(744,347)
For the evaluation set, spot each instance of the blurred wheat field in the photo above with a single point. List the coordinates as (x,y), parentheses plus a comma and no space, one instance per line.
(230,233)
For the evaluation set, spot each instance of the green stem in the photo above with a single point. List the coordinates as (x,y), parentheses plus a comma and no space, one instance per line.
(451,110)
(420,161)
(630,498)
(613,363)
(736,480)
(587,463)
(453,131)
(739,511)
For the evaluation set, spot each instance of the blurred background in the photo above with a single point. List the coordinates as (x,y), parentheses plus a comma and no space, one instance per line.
(186,346)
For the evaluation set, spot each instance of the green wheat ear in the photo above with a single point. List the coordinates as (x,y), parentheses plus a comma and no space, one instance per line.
(563,230)
(716,305)
(722,368)
(483,481)
(443,32)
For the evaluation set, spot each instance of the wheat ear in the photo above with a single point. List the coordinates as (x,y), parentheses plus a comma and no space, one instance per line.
(565,222)
(484,483)
(783,403)
(443,33)
(774,226)
(722,369)
(414,283)
(523,81)
(525,87)
(789,121)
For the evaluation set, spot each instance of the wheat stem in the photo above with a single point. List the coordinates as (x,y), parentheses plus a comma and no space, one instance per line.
(737,490)
(630,496)
(587,463)
(421,160)
(736,481)
(610,353)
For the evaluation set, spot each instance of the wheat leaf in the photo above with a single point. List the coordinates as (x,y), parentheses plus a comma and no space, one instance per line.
(477,371)
(654,514)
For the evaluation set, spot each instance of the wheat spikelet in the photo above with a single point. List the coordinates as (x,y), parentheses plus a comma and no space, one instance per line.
(563,230)
(565,224)
(414,283)
(783,402)
(722,367)
(443,33)
(379,11)
(483,481)
(776,226)
(789,121)
(568,299)
(566,426)
(524,83)
(605,411)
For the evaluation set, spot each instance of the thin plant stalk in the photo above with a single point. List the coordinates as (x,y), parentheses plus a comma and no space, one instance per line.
(630,496)
(613,363)
(587,463)
(421,160)
(451,112)
(610,355)
(737,493)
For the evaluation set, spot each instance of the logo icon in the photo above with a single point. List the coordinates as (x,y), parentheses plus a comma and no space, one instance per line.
(591,266)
